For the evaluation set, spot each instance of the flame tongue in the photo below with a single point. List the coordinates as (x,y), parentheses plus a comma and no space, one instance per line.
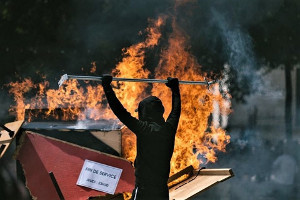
(132,66)
(193,138)
(196,139)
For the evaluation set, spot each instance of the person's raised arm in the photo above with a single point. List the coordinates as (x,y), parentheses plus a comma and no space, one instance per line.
(116,106)
(174,116)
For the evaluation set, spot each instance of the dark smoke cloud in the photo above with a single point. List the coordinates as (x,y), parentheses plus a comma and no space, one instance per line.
(113,21)
(219,34)
(103,28)
(218,30)
(91,30)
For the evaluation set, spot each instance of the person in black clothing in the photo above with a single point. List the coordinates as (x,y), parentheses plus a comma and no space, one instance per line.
(155,139)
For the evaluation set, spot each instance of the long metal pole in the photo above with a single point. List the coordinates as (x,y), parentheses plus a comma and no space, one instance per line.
(97,78)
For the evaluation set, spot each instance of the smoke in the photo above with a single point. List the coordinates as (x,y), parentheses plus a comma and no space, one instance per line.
(218,117)
(103,125)
(254,161)
(113,21)
(104,28)
(238,45)
(218,33)
(98,30)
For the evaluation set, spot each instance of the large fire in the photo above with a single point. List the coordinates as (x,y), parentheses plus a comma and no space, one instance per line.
(197,139)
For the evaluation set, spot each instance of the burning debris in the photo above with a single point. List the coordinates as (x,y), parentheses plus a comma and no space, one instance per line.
(41,137)
(197,139)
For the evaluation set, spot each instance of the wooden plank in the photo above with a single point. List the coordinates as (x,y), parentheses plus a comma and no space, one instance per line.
(199,182)
(186,171)
(111,138)
(40,155)
(223,171)
(5,139)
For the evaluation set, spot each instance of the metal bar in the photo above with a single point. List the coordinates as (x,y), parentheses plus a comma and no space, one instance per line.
(97,78)
(53,179)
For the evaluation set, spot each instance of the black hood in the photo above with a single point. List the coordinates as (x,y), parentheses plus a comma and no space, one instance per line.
(151,109)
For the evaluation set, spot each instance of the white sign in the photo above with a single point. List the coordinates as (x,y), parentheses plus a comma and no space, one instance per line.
(99,176)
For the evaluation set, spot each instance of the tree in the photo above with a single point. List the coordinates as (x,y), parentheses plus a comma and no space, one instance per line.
(277,42)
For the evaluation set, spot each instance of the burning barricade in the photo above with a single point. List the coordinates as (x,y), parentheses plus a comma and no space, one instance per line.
(77,115)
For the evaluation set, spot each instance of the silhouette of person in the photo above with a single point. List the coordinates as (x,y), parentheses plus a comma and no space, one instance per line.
(155,139)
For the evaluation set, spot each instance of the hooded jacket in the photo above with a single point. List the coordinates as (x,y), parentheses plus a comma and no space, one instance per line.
(155,136)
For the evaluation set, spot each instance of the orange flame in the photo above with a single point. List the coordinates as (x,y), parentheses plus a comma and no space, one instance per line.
(94,67)
(19,89)
(132,66)
(193,137)
(71,99)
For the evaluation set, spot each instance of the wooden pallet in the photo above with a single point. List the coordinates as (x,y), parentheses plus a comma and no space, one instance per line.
(198,182)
